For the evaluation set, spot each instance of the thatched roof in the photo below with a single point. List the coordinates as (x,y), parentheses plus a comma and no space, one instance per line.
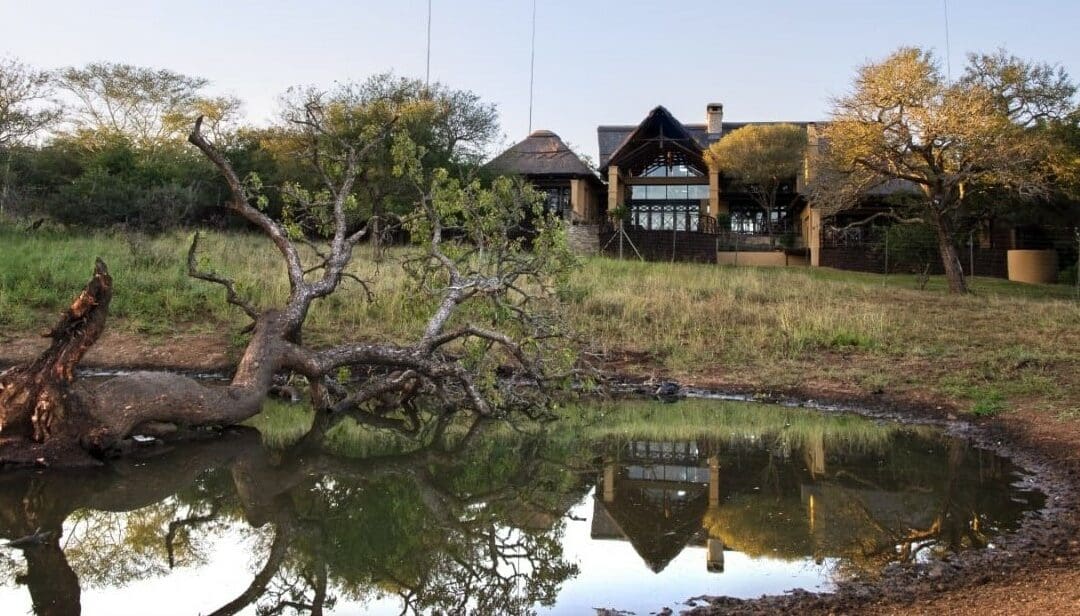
(542,153)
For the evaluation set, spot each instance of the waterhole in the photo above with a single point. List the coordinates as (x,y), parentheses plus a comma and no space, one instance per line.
(631,506)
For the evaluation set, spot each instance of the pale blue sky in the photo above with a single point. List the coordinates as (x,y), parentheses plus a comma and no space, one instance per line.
(597,61)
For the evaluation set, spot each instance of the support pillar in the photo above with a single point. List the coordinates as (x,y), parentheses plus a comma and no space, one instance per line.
(615,189)
(717,207)
(812,229)
(714,549)
(611,471)
(579,202)
(714,481)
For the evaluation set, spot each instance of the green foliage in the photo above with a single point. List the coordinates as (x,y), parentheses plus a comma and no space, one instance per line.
(123,158)
(149,107)
(911,248)
(116,184)
(763,158)
(448,130)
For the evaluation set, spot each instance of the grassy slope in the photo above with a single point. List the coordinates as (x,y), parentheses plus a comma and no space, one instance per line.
(1005,345)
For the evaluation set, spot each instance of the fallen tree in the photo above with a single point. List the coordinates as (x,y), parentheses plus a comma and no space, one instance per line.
(489,348)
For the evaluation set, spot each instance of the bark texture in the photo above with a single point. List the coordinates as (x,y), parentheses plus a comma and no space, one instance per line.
(48,417)
(36,397)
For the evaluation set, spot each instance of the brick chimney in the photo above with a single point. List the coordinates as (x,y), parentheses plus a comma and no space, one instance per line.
(714,119)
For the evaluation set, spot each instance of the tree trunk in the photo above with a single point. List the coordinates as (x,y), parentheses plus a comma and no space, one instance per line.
(950,256)
(47,417)
(35,397)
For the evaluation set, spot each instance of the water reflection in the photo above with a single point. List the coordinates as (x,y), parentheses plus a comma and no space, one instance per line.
(485,521)
(764,498)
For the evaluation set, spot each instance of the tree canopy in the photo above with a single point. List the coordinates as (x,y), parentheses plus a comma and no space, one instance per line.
(146,105)
(762,158)
(905,128)
(25,102)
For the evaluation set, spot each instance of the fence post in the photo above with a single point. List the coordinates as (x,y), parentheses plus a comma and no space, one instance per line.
(971,253)
(886,278)
(674,237)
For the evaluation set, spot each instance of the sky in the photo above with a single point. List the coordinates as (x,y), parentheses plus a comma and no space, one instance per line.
(597,61)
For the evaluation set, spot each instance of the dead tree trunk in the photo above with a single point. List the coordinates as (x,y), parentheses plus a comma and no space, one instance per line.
(35,397)
(48,417)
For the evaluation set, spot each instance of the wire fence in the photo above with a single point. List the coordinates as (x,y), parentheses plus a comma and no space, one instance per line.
(1046,254)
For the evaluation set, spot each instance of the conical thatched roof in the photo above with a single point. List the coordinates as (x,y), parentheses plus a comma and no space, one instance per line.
(541,153)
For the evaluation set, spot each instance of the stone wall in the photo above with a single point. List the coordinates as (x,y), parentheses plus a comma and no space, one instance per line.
(583,239)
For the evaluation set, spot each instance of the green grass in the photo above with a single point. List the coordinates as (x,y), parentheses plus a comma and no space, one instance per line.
(726,420)
(592,421)
(774,328)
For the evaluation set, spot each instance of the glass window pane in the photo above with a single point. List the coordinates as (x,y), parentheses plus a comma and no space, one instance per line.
(676,192)
(698,191)
(638,192)
(656,192)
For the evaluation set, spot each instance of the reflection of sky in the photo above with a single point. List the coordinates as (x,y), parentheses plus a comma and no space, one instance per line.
(185,591)
(612,575)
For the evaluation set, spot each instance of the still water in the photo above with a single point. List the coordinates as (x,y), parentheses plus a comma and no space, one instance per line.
(629,512)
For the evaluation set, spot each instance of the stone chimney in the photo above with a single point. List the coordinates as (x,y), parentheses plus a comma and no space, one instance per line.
(714,119)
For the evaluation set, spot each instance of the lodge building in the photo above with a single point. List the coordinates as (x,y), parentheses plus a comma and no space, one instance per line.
(655,177)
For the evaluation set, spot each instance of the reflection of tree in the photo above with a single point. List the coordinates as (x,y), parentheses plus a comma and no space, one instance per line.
(939,510)
(449,527)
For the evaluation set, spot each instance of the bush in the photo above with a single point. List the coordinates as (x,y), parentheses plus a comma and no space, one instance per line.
(912,249)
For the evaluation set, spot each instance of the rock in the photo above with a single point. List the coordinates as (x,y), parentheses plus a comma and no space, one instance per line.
(667,389)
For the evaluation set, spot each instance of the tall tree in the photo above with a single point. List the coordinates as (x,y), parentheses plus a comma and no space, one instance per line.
(450,127)
(148,106)
(904,124)
(26,106)
(762,158)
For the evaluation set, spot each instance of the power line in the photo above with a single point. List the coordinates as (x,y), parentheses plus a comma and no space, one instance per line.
(532,66)
(948,54)
(427,77)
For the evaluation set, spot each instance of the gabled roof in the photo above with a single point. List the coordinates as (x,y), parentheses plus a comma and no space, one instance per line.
(611,137)
(541,153)
(657,535)
(658,129)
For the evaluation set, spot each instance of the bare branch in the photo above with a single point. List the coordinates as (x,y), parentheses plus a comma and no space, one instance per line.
(231,296)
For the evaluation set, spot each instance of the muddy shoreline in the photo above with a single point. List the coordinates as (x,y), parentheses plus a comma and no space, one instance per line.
(1047,543)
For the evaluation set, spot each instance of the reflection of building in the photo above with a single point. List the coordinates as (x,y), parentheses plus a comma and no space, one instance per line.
(655,496)
(765,497)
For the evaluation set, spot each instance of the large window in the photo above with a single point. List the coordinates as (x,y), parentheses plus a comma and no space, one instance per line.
(557,201)
(665,216)
(667,207)
(661,169)
(753,221)
(671,192)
